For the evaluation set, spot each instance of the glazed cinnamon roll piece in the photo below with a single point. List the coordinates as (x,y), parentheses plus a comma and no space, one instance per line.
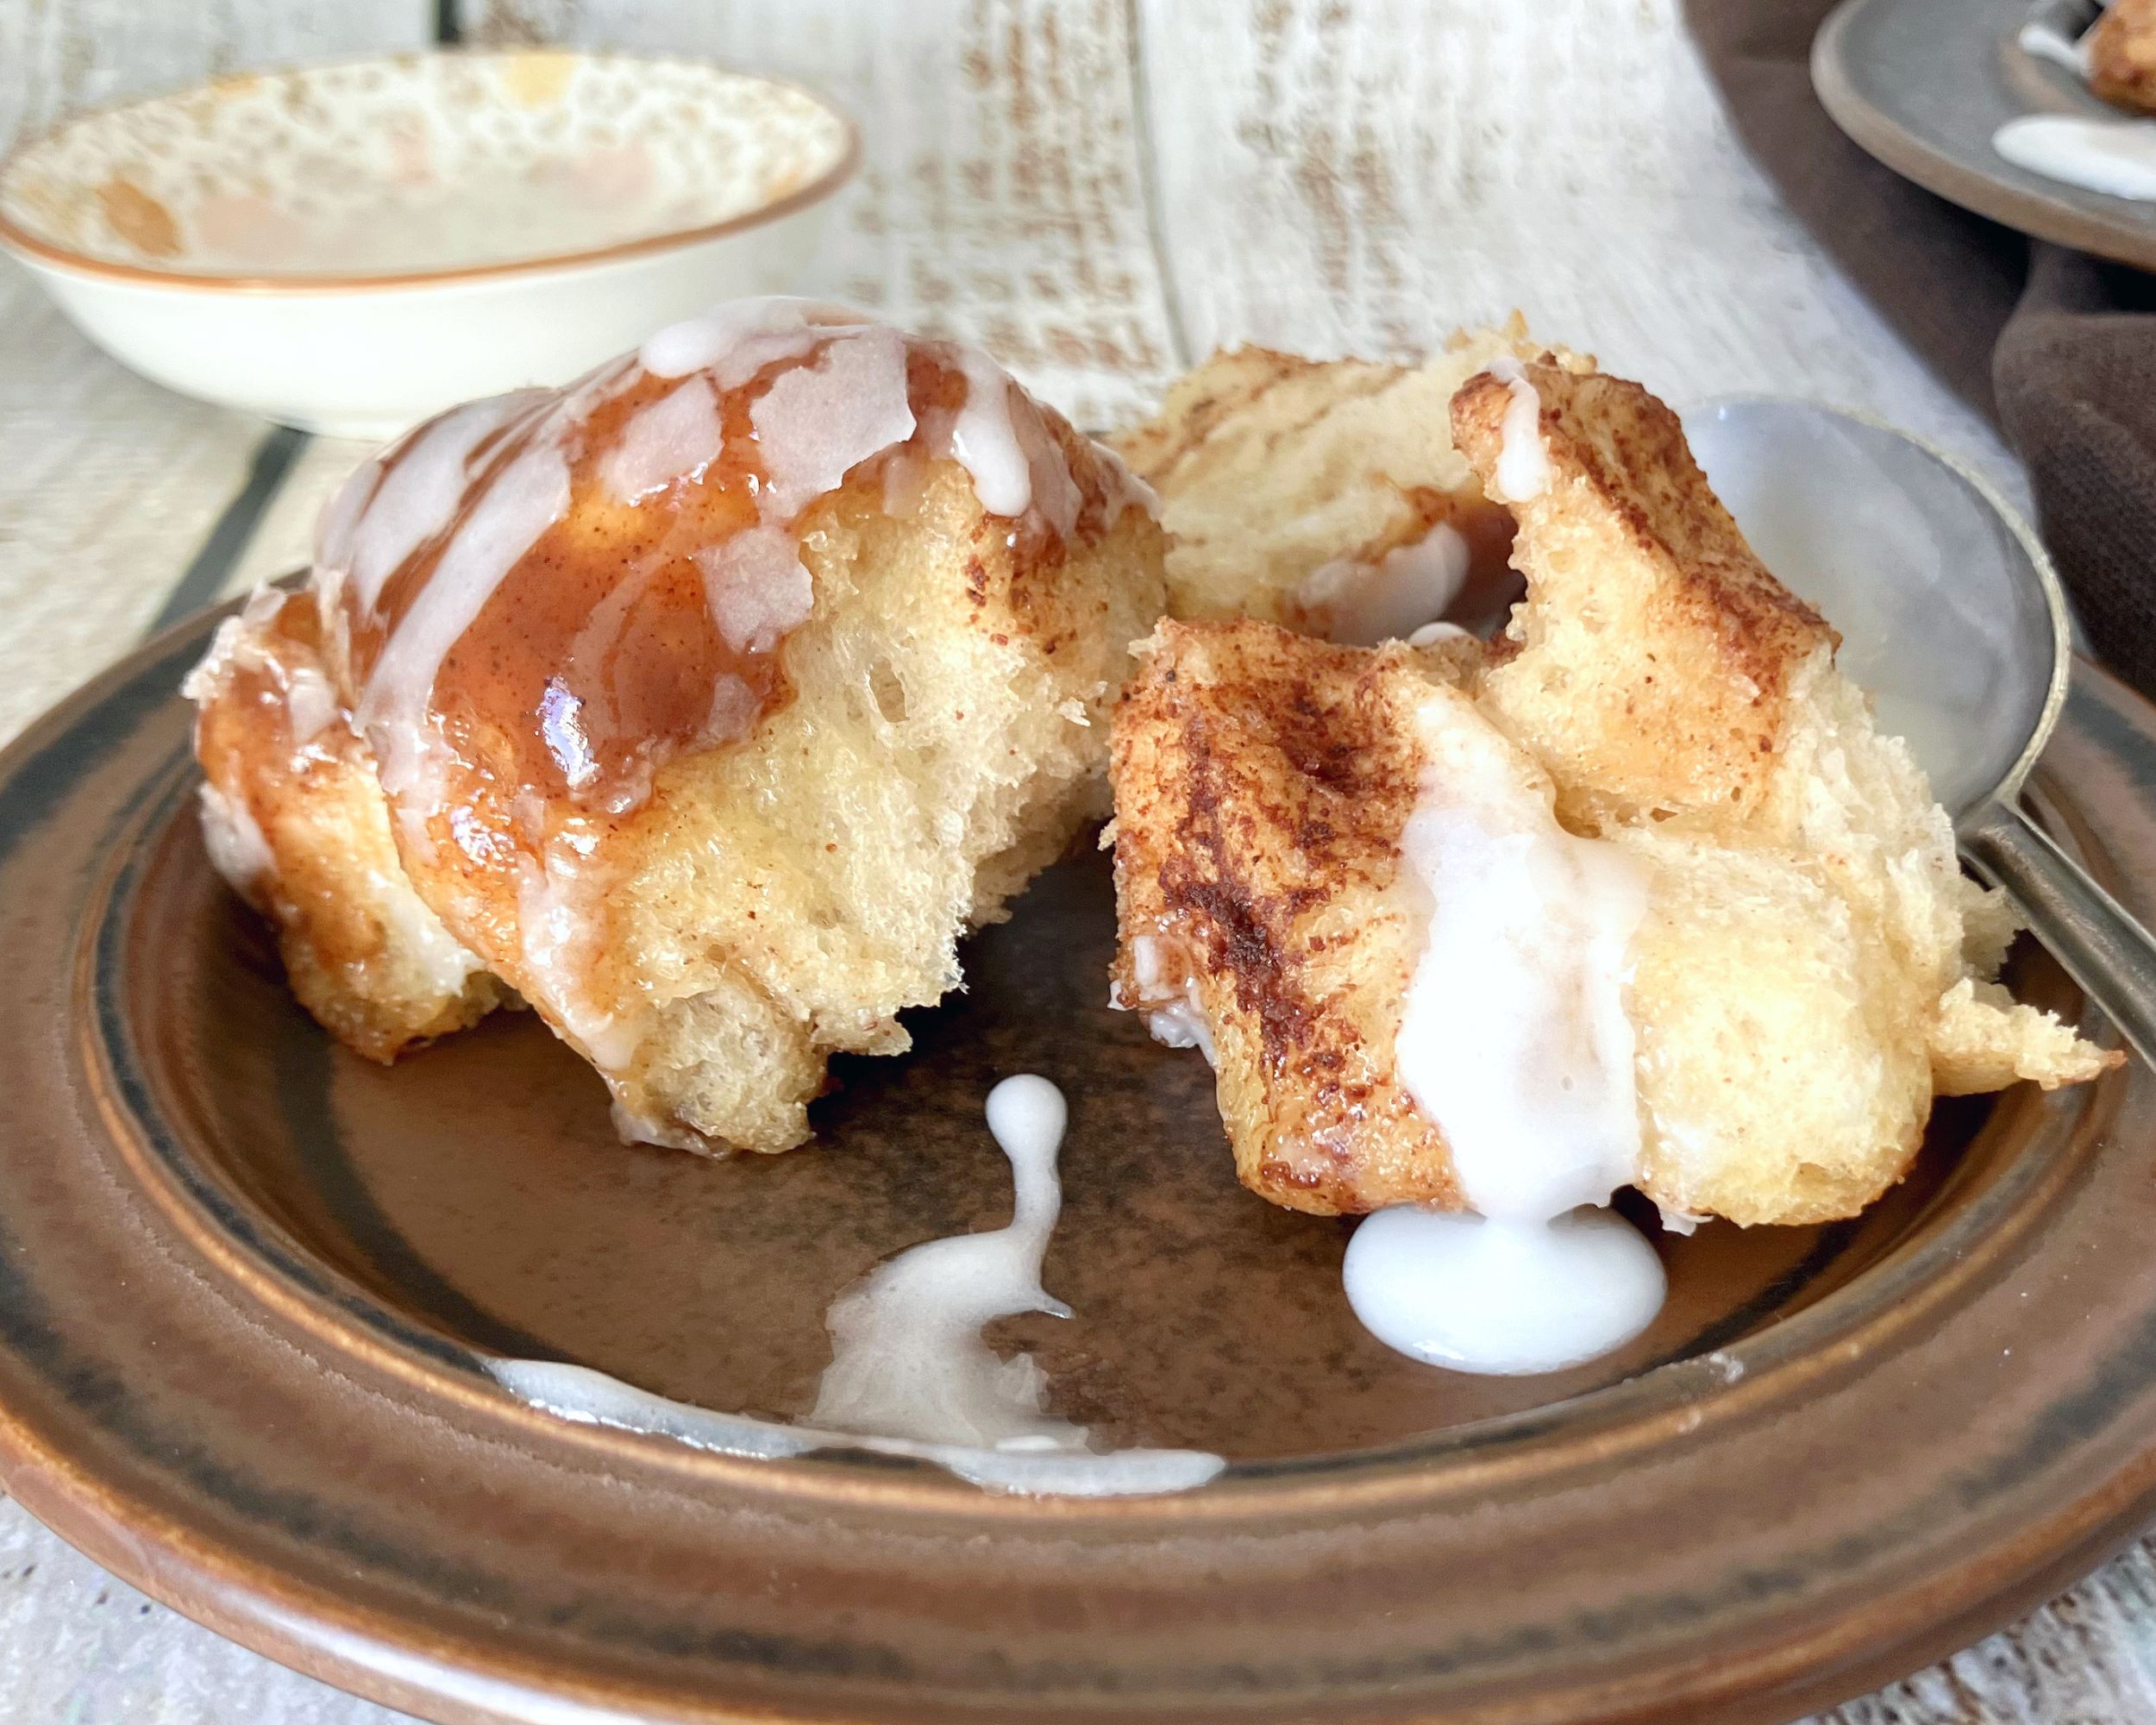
(1639,895)
(711,700)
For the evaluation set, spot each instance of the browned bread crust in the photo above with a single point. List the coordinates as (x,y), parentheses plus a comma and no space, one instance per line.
(1261,780)
(296,819)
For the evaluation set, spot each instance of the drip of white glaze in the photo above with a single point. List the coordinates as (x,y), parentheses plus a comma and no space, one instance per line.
(524,500)
(556,939)
(985,442)
(910,1376)
(237,645)
(2042,41)
(816,424)
(1363,603)
(591,1398)
(238,850)
(310,702)
(757,587)
(1514,1038)
(443,963)
(765,329)
(1184,1023)
(423,483)
(1523,464)
(1515,1042)
(632,1127)
(1457,1290)
(1174,1016)
(676,437)
(1430,633)
(1125,489)
(908,1359)
(2117,157)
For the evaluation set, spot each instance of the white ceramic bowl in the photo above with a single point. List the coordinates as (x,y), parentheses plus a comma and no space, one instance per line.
(350,247)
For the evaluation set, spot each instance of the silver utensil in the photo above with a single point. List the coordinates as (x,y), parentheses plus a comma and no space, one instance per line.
(1952,615)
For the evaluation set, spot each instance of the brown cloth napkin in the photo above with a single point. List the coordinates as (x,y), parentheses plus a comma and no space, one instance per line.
(2058,348)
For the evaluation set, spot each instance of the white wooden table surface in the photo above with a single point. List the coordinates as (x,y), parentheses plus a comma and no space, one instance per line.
(1100,189)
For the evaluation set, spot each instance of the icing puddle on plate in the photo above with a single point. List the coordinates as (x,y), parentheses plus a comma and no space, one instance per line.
(910,1374)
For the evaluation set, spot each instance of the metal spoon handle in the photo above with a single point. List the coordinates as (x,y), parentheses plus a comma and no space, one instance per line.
(2102,948)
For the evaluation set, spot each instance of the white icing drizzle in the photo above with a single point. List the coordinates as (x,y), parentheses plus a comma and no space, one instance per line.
(632,1127)
(1128,490)
(410,494)
(557,937)
(310,702)
(816,424)
(1514,1040)
(1174,1014)
(757,587)
(1523,464)
(236,645)
(676,437)
(908,1360)
(1453,1289)
(238,850)
(2041,39)
(985,442)
(1184,1023)
(2115,157)
(910,1376)
(591,1398)
(1363,603)
(525,499)
(445,964)
(738,337)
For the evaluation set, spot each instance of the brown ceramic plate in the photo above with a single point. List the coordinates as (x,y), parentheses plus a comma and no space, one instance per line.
(1923,84)
(246,1281)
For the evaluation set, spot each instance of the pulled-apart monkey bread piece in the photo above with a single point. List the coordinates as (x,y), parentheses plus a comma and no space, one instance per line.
(1652,838)
(706,704)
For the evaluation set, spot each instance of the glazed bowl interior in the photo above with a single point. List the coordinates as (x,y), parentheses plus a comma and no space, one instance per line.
(475,1196)
(419,167)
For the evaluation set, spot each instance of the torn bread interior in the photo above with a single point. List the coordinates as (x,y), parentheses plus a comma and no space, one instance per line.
(1328,495)
(1638,897)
